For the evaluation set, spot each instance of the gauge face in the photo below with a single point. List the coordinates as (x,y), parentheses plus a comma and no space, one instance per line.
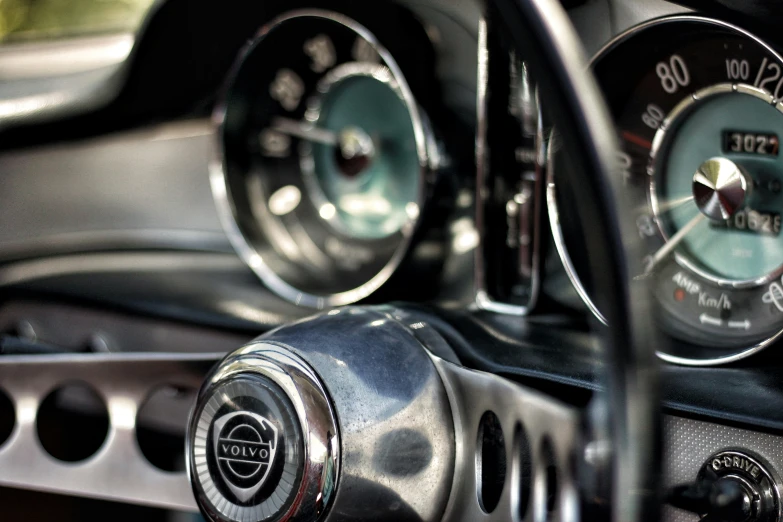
(371,176)
(322,174)
(696,107)
(732,202)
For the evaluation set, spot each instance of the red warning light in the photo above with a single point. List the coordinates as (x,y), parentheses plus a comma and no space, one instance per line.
(679,294)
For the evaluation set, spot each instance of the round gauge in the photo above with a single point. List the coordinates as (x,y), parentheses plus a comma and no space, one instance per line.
(697,107)
(321,180)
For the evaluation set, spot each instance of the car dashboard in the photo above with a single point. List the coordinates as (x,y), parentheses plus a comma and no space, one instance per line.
(170,191)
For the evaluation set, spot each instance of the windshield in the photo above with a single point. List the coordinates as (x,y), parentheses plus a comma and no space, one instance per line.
(36,20)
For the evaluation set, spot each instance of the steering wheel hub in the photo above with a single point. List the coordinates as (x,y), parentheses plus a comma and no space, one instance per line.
(263,441)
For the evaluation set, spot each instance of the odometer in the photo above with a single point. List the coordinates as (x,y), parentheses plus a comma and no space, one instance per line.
(697,103)
(750,142)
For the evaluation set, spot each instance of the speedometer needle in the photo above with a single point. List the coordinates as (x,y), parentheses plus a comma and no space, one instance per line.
(353,142)
(305,131)
(673,241)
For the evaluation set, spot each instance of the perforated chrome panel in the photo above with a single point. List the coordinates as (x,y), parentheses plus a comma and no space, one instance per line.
(118,471)
(689,443)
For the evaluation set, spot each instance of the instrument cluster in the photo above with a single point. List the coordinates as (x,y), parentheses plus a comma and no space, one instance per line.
(697,104)
(328,162)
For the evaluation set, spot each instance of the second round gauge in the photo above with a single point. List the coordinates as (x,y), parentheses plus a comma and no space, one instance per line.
(696,104)
(324,159)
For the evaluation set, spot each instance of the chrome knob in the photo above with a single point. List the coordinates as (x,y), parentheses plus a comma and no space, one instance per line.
(263,441)
(720,188)
(343,416)
(732,486)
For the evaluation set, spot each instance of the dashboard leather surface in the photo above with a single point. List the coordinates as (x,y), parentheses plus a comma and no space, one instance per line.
(748,393)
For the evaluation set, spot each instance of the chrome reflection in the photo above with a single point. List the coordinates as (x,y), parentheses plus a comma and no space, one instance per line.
(46,59)
(284,200)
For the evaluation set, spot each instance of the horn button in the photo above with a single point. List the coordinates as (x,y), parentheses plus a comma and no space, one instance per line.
(254,442)
(248,458)
(343,416)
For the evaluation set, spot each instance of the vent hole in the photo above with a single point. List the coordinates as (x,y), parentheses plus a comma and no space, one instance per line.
(490,462)
(161,424)
(7,417)
(551,479)
(72,422)
(522,471)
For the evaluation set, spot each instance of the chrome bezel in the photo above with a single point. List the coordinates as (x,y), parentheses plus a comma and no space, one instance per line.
(482,299)
(670,123)
(317,421)
(559,238)
(554,216)
(766,472)
(227,210)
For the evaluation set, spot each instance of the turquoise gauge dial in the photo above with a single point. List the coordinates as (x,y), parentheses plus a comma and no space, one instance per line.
(742,128)
(373,187)
(697,105)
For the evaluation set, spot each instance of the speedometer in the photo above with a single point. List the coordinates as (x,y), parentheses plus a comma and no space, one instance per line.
(697,104)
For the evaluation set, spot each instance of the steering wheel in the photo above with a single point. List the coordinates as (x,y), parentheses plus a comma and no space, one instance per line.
(363,413)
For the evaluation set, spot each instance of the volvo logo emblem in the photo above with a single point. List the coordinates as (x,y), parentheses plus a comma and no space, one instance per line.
(244,446)
(263,440)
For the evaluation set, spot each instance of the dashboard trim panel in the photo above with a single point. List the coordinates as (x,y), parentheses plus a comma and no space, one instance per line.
(123,382)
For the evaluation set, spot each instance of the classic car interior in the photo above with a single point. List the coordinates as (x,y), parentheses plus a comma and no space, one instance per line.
(400,260)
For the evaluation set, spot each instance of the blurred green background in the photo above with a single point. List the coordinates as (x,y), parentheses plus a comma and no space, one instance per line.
(31,20)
